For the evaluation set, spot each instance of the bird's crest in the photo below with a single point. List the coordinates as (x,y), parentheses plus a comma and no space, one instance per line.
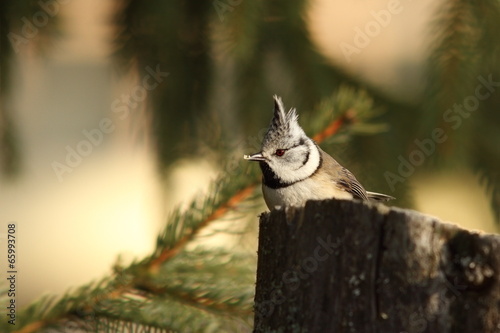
(284,125)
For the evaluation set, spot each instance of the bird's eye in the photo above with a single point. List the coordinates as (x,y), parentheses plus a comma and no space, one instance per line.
(280,152)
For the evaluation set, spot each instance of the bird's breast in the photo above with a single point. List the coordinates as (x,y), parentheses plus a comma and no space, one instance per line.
(299,193)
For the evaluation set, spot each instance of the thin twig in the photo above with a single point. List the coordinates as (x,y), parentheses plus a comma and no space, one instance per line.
(236,199)
(240,196)
(32,327)
(334,126)
(168,253)
(204,303)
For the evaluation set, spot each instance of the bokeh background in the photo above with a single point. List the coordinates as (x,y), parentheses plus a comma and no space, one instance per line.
(68,65)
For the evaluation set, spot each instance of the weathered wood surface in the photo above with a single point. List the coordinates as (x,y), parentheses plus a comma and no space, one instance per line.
(346,266)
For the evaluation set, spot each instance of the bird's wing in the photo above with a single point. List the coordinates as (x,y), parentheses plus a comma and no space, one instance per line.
(342,177)
(349,183)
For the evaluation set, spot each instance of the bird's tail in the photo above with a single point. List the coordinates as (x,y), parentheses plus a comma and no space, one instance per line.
(373,196)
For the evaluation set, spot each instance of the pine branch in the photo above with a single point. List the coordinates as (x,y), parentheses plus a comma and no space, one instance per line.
(346,107)
(165,280)
(123,298)
(465,52)
(208,283)
(48,312)
(168,252)
(348,111)
(463,48)
(334,126)
(33,327)
(121,325)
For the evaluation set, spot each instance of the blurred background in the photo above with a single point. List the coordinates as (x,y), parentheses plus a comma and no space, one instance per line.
(114,111)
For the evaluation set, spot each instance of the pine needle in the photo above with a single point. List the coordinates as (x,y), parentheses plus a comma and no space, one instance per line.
(175,287)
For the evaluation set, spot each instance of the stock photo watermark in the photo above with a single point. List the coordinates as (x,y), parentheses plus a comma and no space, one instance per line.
(453,116)
(9,257)
(30,26)
(373,28)
(121,107)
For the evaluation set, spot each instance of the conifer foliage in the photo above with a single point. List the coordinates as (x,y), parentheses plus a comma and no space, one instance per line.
(178,288)
(225,59)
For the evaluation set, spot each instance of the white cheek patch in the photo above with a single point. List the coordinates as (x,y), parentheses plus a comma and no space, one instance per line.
(292,175)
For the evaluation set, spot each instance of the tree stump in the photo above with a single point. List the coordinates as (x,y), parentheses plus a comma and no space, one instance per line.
(349,266)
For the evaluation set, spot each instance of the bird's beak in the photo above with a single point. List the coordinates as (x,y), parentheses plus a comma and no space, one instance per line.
(254,157)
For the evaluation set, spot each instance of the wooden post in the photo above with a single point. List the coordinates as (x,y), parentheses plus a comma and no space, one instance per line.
(347,266)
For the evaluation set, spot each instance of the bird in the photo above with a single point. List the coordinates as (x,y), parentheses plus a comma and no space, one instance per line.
(295,169)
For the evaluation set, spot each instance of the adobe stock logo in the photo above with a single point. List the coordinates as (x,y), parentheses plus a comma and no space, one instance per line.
(120,106)
(29,29)
(453,116)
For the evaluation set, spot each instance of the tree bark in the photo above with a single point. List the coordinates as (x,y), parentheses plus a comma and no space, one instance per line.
(348,266)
